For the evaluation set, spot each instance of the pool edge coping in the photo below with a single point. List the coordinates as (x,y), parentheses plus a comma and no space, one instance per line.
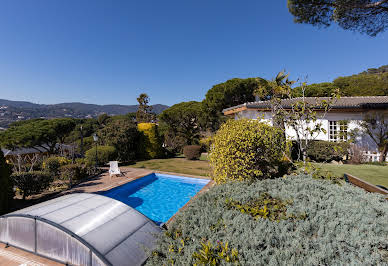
(130,179)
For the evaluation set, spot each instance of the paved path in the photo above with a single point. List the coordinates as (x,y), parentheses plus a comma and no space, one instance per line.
(105,182)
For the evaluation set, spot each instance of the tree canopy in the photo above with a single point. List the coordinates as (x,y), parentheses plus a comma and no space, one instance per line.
(143,114)
(44,134)
(123,135)
(365,16)
(373,82)
(183,120)
(227,94)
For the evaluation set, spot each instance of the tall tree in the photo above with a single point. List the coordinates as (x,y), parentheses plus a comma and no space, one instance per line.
(143,114)
(227,94)
(365,16)
(123,135)
(299,114)
(41,134)
(183,120)
(103,120)
(275,90)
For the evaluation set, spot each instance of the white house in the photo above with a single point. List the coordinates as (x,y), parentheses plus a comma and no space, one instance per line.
(345,115)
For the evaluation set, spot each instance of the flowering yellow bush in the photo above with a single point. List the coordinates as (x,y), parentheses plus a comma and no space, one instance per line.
(150,146)
(247,149)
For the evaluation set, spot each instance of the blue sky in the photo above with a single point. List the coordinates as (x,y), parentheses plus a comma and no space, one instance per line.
(107,52)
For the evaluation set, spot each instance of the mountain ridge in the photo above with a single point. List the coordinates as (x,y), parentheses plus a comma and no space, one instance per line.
(11,111)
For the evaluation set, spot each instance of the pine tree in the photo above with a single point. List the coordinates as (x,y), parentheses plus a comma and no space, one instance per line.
(143,114)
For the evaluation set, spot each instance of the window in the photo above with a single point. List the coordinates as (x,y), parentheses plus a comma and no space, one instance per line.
(338,131)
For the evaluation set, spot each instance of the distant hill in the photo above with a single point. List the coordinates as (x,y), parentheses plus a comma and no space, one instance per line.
(11,111)
(382,69)
(372,82)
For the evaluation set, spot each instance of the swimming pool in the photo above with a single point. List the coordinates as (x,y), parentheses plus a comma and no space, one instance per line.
(157,196)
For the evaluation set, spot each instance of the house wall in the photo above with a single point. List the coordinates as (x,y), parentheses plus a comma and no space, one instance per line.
(353,118)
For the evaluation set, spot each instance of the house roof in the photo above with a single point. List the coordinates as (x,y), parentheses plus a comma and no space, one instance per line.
(22,151)
(32,150)
(357,103)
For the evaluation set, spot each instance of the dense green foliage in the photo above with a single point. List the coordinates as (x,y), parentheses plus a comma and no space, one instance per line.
(326,151)
(73,172)
(343,225)
(247,149)
(150,143)
(30,183)
(192,152)
(41,133)
(181,123)
(82,134)
(123,135)
(5,184)
(369,83)
(366,16)
(104,155)
(52,165)
(379,70)
(227,94)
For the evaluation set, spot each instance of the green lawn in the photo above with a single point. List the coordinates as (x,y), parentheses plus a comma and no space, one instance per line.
(374,174)
(176,165)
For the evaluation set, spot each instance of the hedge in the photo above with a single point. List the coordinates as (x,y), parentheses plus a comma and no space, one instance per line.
(333,225)
(150,146)
(247,149)
(104,155)
(192,152)
(326,151)
(53,164)
(30,183)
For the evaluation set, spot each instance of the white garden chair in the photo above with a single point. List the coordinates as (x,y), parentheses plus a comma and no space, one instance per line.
(114,168)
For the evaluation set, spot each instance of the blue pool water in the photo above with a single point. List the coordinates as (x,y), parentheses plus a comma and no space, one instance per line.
(157,196)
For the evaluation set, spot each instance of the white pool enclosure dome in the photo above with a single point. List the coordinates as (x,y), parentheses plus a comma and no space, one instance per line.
(81,229)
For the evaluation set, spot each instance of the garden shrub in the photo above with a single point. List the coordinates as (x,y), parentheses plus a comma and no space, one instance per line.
(357,154)
(52,164)
(30,183)
(6,191)
(150,146)
(192,152)
(104,155)
(247,149)
(326,151)
(344,225)
(73,172)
